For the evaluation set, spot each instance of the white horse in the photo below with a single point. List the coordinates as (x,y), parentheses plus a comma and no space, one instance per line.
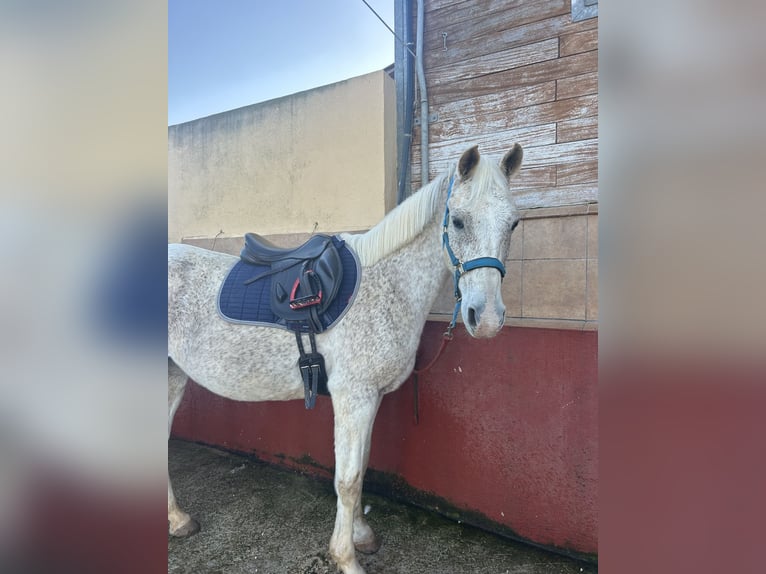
(458,225)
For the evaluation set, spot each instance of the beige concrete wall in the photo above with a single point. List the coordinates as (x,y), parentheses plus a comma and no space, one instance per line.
(389,127)
(322,160)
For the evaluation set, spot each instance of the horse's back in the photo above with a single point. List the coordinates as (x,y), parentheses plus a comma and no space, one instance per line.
(189,263)
(194,277)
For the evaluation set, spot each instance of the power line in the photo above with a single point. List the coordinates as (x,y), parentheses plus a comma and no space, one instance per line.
(402,42)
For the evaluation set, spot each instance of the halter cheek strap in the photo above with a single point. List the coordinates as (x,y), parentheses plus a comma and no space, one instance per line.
(462,267)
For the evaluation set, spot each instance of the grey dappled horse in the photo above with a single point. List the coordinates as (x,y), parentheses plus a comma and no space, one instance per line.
(405,263)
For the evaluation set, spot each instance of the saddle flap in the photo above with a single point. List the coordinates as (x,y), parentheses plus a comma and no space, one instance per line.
(311,287)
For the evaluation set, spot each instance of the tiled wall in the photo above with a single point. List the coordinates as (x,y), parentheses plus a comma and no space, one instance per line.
(552,271)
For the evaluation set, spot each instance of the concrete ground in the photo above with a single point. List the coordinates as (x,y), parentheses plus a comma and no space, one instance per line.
(256,518)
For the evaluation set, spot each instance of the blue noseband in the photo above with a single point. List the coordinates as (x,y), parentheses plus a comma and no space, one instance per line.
(463,267)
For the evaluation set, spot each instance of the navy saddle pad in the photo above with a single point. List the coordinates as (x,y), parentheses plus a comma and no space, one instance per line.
(250,303)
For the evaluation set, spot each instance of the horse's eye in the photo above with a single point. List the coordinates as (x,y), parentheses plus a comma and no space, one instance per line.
(457,223)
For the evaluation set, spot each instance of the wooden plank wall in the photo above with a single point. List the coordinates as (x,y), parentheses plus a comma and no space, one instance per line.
(515,70)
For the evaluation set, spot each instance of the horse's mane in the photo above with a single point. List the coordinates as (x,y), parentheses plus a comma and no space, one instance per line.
(400,226)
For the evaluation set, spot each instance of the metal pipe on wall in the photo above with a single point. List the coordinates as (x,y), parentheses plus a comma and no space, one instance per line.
(405,94)
(423,97)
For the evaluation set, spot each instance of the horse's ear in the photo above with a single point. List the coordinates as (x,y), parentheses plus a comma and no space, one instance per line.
(468,162)
(511,161)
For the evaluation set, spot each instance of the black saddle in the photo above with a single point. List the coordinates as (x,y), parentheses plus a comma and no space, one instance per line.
(304,282)
(304,279)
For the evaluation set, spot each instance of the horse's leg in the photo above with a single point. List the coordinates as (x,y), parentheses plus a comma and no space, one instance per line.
(179,523)
(364,538)
(354,417)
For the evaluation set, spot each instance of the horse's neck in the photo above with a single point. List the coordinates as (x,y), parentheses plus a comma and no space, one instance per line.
(418,271)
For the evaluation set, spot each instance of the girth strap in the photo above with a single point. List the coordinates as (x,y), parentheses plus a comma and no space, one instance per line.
(312,370)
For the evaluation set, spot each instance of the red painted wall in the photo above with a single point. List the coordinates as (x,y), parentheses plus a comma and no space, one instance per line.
(507,432)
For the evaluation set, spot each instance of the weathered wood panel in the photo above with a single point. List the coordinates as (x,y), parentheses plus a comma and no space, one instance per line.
(490,63)
(491,103)
(466,125)
(578,129)
(471,11)
(466,21)
(536,176)
(579,42)
(442,154)
(577,151)
(487,41)
(515,70)
(576,165)
(556,196)
(490,142)
(534,155)
(434,5)
(538,73)
(541,176)
(577,172)
(534,187)
(579,85)
(496,141)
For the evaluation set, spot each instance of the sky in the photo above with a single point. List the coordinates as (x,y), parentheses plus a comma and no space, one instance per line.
(225,54)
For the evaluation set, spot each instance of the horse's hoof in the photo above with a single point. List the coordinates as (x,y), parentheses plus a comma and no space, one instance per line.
(188,529)
(369,546)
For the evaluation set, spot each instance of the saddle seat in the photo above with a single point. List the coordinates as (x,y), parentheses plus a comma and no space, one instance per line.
(260,251)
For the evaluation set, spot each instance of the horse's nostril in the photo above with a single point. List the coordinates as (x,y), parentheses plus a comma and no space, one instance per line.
(471,317)
(474,315)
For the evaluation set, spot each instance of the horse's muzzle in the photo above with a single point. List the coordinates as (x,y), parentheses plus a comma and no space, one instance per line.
(481,320)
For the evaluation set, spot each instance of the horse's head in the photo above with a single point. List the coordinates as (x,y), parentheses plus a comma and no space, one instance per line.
(480,218)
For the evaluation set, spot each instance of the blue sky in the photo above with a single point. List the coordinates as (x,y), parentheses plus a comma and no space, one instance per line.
(225,54)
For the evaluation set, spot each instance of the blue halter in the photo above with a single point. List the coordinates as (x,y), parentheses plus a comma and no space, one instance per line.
(463,267)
